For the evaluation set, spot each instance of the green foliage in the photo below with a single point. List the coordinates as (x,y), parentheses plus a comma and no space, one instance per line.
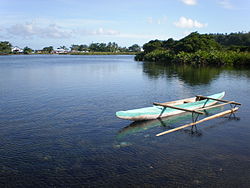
(239,48)
(140,56)
(93,48)
(63,47)
(74,47)
(98,47)
(214,58)
(103,47)
(134,48)
(48,49)
(233,39)
(112,47)
(195,42)
(169,44)
(195,49)
(239,42)
(101,53)
(5,47)
(27,50)
(183,57)
(159,56)
(152,45)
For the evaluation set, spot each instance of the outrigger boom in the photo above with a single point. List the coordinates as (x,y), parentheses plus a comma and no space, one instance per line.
(200,121)
(177,108)
(200,97)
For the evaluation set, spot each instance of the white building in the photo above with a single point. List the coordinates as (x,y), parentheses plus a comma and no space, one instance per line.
(16,49)
(60,51)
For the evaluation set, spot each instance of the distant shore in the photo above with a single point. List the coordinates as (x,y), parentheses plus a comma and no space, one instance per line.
(111,48)
(100,53)
(77,53)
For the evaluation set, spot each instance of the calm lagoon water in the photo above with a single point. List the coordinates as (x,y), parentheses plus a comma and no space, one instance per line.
(58,126)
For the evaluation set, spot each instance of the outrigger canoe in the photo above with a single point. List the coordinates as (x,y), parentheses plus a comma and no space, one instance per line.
(160,110)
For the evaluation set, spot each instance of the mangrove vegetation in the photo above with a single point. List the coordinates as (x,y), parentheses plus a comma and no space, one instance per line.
(197,49)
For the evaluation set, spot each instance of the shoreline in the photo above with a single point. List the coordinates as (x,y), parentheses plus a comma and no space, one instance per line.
(76,53)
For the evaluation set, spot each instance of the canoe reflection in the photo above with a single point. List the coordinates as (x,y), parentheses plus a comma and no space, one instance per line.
(166,123)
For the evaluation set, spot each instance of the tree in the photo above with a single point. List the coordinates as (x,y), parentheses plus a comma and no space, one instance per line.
(48,49)
(98,47)
(152,45)
(195,42)
(83,47)
(27,50)
(134,48)
(112,47)
(94,47)
(102,47)
(169,44)
(63,47)
(5,47)
(234,41)
(74,47)
(123,49)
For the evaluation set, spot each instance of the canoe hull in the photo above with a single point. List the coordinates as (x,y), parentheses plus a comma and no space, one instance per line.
(155,112)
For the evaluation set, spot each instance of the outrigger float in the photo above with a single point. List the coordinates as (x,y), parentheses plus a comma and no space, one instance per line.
(195,105)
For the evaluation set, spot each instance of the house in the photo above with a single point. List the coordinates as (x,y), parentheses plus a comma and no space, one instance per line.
(60,51)
(16,49)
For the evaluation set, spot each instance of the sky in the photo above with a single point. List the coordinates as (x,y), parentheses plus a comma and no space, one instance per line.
(41,23)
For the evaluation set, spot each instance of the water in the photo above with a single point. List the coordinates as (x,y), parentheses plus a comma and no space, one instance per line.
(58,126)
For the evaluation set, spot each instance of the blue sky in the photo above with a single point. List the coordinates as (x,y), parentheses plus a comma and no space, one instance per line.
(40,23)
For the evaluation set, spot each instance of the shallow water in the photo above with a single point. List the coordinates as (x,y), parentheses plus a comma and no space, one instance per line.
(58,126)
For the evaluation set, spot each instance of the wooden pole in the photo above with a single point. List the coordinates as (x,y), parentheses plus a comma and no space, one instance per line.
(177,108)
(200,121)
(214,106)
(220,100)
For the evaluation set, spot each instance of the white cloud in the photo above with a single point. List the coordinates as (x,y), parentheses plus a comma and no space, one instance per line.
(44,29)
(150,20)
(102,31)
(54,31)
(32,29)
(159,21)
(114,33)
(99,31)
(226,4)
(184,22)
(79,22)
(189,2)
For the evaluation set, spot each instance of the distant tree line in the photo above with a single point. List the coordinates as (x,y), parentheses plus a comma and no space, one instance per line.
(103,47)
(6,48)
(199,49)
(234,41)
(96,47)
